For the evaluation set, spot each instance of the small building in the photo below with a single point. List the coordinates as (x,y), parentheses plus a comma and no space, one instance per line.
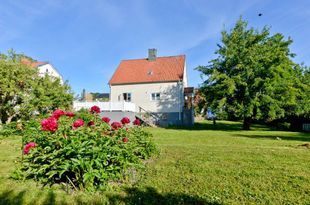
(44,68)
(94,97)
(88,97)
(158,87)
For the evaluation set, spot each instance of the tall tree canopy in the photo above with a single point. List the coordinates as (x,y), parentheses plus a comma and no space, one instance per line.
(23,92)
(254,77)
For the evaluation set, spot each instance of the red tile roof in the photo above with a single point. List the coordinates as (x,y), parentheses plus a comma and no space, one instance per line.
(33,64)
(162,69)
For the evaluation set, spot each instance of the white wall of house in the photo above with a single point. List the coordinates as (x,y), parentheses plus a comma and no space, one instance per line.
(171,95)
(49,70)
(185,82)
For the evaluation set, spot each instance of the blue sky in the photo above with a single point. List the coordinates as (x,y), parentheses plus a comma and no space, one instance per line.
(86,40)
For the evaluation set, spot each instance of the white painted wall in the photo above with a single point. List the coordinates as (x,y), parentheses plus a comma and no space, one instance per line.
(49,70)
(171,95)
(185,81)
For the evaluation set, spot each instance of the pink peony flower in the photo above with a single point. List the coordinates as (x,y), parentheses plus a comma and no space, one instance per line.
(125,120)
(91,123)
(125,139)
(58,113)
(137,122)
(49,124)
(106,119)
(78,123)
(70,114)
(29,146)
(116,125)
(95,109)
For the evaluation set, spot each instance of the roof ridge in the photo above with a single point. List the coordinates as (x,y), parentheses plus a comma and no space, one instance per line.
(181,55)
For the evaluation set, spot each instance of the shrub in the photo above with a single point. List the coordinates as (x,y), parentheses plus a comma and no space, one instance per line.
(82,150)
(13,128)
(283,126)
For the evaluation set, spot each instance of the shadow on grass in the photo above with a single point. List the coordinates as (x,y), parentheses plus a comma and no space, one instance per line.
(151,196)
(208,126)
(8,198)
(18,198)
(220,125)
(300,137)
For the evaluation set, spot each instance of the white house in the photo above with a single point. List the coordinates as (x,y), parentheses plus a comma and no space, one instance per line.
(155,85)
(43,68)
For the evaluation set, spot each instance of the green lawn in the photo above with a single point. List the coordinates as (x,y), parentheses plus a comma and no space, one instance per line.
(203,165)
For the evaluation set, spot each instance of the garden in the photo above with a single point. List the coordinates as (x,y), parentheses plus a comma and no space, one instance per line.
(80,151)
(207,164)
(50,155)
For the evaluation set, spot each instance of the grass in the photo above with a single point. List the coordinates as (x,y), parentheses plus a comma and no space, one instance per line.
(203,165)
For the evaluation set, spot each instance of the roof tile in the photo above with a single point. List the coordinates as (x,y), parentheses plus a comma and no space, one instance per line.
(162,69)
(33,64)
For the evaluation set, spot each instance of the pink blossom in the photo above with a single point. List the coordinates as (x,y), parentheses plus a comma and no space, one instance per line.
(106,119)
(95,109)
(125,120)
(49,124)
(91,123)
(116,125)
(58,113)
(70,114)
(29,146)
(137,122)
(78,123)
(125,139)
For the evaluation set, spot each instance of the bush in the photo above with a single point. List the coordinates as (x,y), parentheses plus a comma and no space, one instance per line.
(283,126)
(82,150)
(13,128)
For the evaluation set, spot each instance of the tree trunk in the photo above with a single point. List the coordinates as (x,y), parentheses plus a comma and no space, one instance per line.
(246,123)
(9,119)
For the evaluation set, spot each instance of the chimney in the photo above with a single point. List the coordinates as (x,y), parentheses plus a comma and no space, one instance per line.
(152,54)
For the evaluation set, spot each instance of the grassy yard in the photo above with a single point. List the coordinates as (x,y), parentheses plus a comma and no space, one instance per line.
(202,165)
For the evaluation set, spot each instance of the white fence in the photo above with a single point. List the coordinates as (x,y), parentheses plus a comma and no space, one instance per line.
(106,106)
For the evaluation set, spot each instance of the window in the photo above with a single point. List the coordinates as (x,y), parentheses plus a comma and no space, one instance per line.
(127,97)
(150,72)
(155,96)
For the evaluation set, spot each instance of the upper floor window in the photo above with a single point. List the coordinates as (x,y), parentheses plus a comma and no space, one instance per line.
(127,97)
(155,96)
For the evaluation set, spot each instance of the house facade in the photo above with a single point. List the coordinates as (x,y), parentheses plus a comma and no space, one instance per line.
(155,85)
(44,68)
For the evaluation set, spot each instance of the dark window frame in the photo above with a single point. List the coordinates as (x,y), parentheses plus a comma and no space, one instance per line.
(127,97)
(155,96)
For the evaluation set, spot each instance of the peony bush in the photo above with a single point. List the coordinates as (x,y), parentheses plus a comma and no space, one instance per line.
(83,150)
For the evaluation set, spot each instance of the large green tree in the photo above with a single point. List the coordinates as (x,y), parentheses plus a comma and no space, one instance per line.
(23,93)
(253,76)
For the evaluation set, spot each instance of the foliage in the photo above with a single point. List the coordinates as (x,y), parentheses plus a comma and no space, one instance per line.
(200,104)
(299,113)
(23,93)
(49,94)
(254,76)
(84,155)
(102,97)
(13,128)
(224,166)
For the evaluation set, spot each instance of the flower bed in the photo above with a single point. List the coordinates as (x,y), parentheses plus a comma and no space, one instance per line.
(83,150)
